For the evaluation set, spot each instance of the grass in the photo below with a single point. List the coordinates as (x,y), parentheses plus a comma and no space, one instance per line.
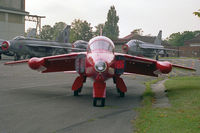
(182,117)
(178,58)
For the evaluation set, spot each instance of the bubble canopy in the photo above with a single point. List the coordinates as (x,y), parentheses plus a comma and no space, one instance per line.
(101,43)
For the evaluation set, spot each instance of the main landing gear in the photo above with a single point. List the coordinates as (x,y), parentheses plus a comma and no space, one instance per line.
(78,84)
(120,85)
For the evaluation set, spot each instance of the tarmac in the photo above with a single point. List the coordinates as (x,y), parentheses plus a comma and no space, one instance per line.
(31,102)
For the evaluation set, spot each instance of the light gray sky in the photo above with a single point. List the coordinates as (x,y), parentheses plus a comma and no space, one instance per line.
(150,15)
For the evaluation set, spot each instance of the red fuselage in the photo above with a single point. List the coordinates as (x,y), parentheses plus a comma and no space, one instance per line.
(100,59)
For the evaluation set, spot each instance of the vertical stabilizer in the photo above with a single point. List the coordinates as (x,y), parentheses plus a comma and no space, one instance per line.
(158,39)
(32,33)
(64,35)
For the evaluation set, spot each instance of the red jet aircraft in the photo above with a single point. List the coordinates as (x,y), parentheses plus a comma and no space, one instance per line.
(100,63)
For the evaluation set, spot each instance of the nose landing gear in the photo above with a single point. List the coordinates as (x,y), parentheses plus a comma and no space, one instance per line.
(99,93)
(100,101)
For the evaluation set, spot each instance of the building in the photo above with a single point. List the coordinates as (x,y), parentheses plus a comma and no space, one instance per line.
(191,48)
(12,18)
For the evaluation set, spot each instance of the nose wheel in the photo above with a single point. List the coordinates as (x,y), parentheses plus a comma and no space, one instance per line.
(99,102)
(76,92)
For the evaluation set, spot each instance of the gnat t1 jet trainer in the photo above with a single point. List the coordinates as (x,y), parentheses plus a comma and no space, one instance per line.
(99,63)
(140,48)
(32,47)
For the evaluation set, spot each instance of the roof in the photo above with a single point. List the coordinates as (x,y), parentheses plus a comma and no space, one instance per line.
(13,10)
(148,39)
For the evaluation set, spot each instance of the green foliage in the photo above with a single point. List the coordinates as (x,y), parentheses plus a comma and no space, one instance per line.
(50,33)
(57,28)
(99,30)
(197,13)
(46,33)
(80,30)
(111,28)
(178,39)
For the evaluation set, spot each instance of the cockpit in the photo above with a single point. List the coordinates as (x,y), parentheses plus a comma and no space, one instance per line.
(134,42)
(19,38)
(101,43)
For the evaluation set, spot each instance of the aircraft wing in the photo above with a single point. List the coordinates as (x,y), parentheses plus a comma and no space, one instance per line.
(63,46)
(145,66)
(59,63)
(154,47)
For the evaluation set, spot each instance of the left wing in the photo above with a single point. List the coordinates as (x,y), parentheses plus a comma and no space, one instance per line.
(155,47)
(145,66)
(65,62)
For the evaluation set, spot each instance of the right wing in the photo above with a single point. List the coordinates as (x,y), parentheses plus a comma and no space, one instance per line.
(54,46)
(145,66)
(59,63)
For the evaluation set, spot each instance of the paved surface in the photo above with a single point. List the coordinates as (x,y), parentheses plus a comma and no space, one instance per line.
(161,100)
(31,102)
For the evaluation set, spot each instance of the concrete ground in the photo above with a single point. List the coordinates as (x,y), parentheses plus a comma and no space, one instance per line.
(31,102)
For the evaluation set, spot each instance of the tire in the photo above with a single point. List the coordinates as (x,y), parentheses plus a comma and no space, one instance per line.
(95,102)
(121,94)
(102,102)
(114,80)
(76,93)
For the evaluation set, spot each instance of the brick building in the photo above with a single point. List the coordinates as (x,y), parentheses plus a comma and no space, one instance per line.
(191,48)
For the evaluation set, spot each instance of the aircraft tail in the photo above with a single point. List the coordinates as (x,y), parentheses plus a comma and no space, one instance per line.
(32,33)
(64,35)
(158,39)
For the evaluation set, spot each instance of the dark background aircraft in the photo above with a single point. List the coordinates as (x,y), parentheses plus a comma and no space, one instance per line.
(140,48)
(27,47)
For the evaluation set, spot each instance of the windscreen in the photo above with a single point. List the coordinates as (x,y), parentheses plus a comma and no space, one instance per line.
(101,45)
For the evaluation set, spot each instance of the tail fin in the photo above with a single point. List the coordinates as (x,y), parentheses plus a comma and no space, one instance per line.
(32,33)
(158,39)
(64,35)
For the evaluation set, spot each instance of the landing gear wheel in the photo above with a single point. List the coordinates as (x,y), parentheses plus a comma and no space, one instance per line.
(102,100)
(76,92)
(121,94)
(157,57)
(114,80)
(16,57)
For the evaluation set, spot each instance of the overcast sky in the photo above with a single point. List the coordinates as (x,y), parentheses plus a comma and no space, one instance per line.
(150,15)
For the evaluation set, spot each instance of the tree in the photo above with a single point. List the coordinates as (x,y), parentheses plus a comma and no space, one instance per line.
(47,32)
(99,30)
(178,39)
(80,30)
(111,28)
(197,13)
(57,28)
(138,31)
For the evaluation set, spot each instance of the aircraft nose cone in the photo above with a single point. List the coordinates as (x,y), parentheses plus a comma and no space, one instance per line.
(100,66)
(5,45)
